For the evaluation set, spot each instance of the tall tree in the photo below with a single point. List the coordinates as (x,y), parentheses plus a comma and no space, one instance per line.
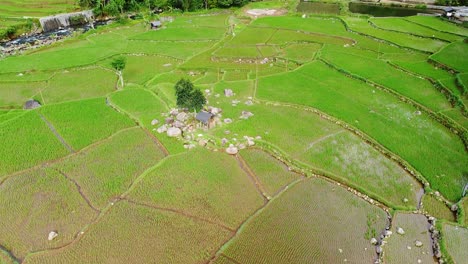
(119,65)
(188,96)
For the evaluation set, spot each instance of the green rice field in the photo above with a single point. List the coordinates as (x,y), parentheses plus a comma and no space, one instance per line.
(328,129)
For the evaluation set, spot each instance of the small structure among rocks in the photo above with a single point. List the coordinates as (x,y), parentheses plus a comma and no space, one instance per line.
(155,24)
(206,119)
(31,104)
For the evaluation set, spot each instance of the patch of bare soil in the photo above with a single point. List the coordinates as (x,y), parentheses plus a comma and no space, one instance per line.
(265,12)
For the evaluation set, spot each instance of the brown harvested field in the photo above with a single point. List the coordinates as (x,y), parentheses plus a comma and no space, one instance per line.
(314,221)
(131,233)
(108,169)
(272,174)
(456,241)
(437,208)
(201,183)
(35,203)
(402,248)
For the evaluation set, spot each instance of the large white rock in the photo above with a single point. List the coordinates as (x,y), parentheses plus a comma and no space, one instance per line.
(400,231)
(182,116)
(231,150)
(228,92)
(174,132)
(52,235)
(162,129)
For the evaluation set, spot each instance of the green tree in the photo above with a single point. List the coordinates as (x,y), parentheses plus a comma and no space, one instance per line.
(188,96)
(119,65)
(198,100)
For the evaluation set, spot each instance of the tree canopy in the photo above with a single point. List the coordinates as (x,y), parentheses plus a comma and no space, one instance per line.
(188,96)
(114,7)
(119,63)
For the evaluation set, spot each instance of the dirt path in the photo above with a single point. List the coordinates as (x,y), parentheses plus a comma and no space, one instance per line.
(258,185)
(56,133)
(180,212)
(78,187)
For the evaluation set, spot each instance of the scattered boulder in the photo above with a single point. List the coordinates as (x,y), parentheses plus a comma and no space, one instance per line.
(154,122)
(454,208)
(207,91)
(178,124)
(378,249)
(418,243)
(174,112)
(227,120)
(400,231)
(162,129)
(246,115)
(405,200)
(169,120)
(202,142)
(182,116)
(373,241)
(241,146)
(231,150)
(228,92)
(224,141)
(388,233)
(249,102)
(174,132)
(52,235)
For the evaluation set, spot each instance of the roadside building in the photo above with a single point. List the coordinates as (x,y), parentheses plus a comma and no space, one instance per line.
(206,119)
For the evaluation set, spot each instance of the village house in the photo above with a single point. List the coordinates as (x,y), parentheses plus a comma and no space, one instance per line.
(206,119)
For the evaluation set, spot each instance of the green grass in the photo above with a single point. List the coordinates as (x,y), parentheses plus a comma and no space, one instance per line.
(421,141)
(210,21)
(33,8)
(453,56)
(425,69)
(201,183)
(456,240)
(437,208)
(77,85)
(107,170)
(83,122)
(310,222)
(26,142)
(35,203)
(6,115)
(140,69)
(272,174)
(415,227)
(405,26)
(150,234)
(439,24)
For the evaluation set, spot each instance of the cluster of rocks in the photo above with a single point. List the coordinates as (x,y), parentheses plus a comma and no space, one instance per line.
(18,46)
(233,148)
(435,235)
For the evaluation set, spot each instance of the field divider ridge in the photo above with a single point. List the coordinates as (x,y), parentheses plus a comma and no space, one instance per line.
(179,212)
(78,187)
(258,185)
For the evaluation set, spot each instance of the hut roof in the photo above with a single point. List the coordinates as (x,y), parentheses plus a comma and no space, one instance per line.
(204,117)
(31,104)
(156,23)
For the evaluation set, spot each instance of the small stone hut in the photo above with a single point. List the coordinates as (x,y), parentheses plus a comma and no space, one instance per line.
(155,24)
(31,104)
(206,119)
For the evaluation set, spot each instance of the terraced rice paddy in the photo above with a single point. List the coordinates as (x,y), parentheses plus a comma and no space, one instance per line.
(456,241)
(311,221)
(353,119)
(401,248)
